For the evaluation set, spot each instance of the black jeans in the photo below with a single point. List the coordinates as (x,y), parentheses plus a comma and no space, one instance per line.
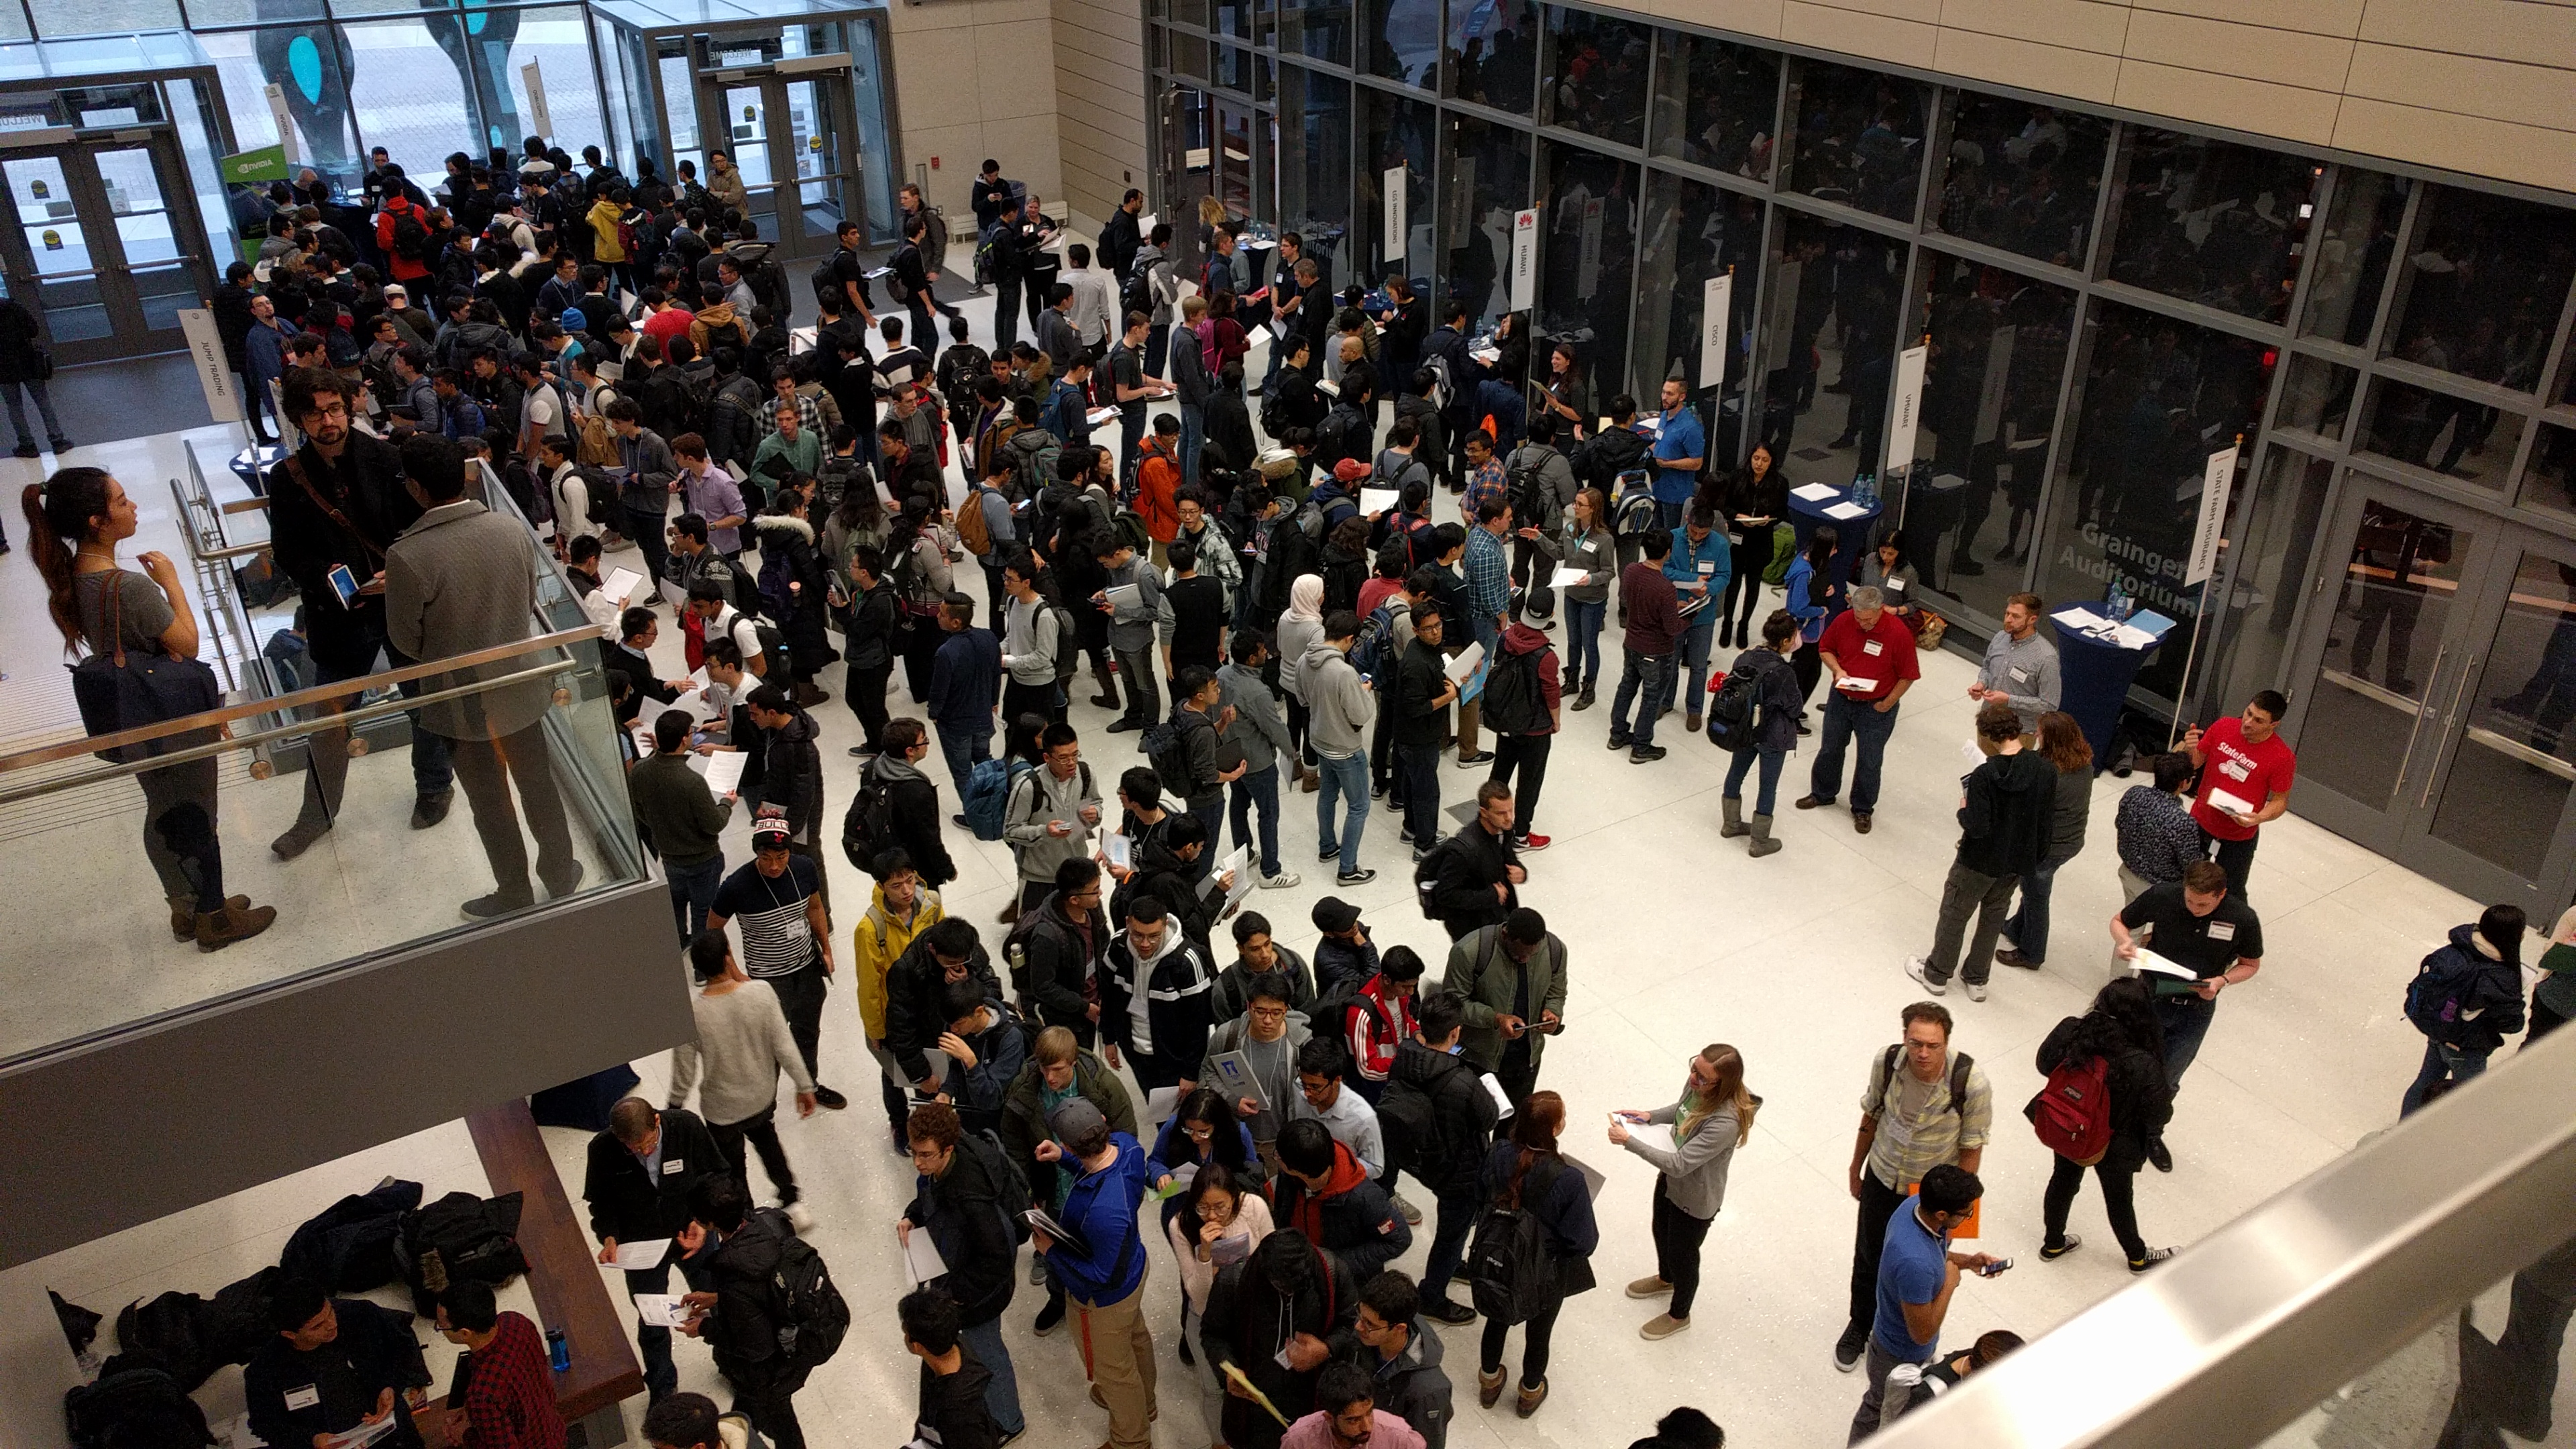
(179,832)
(2236,857)
(1677,1239)
(1528,755)
(1417,767)
(1043,700)
(765,1393)
(1744,584)
(1878,1203)
(1534,1344)
(2118,1200)
(661,1375)
(645,527)
(801,994)
(761,1131)
(866,689)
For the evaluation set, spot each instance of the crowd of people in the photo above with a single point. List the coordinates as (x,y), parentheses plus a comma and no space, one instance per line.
(1267,612)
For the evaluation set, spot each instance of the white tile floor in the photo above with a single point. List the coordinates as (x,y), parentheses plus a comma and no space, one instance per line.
(1677,940)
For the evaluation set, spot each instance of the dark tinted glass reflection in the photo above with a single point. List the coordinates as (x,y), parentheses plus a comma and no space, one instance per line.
(1485,178)
(2551,483)
(1860,137)
(2024,177)
(1491,54)
(2317,396)
(2447,434)
(1402,133)
(1826,383)
(1587,253)
(1320,28)
(2482,289)
(1596,75)
(2352,257)
(2212,223)
(1315,163)
(1692,233)
(1400,40)
(1715,103)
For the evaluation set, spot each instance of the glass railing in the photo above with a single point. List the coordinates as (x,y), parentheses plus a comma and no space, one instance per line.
(105,950)
(2415,1292)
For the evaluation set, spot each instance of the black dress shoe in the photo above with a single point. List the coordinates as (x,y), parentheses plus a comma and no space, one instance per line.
(1449,1311)
(2160,1155)
(826,1097)
(1126,726)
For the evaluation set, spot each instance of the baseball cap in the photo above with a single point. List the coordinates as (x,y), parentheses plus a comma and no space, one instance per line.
(1350,470)
(1332,913)
(1069,1122)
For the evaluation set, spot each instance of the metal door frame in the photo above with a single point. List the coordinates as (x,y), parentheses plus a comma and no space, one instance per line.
(786,198)
(2399,827)
(77,154)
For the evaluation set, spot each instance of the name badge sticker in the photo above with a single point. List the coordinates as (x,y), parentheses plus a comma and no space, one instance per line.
(1873,649)
(2222,930)
(303,1398)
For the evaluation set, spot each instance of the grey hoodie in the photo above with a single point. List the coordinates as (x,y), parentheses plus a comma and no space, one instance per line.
(1258,725)
(1338,706)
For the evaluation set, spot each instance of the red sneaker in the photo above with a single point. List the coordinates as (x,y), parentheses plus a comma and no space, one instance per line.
(1530,842)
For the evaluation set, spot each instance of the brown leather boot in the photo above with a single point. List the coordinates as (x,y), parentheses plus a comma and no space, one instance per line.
(183,915)
(218,929)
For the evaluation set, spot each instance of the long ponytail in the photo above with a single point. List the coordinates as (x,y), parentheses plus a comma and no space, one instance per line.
(60,513)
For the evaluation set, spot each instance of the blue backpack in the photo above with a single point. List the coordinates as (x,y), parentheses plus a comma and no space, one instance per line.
(988,789)
(1373,654)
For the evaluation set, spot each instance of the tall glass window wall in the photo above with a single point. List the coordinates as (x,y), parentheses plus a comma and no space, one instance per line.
(2104,303)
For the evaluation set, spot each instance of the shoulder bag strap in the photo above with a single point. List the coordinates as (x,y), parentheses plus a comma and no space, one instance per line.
(295,470)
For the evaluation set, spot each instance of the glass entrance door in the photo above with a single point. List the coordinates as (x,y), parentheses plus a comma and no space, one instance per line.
(794,139)
(2436,729)
(94,248)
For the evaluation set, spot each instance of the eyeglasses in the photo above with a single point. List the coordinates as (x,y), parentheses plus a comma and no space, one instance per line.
(329,410)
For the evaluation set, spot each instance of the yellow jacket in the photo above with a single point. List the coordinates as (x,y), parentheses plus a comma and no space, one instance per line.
(879,939)
(603,217)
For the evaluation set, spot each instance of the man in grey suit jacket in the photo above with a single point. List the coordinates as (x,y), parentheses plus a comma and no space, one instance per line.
(460,579)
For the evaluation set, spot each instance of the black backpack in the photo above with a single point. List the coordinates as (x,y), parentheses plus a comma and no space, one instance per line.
(1426,876)
(1515,702)
(1731,723)
(142,1408)
(411,239)
(1511,1268)
(811,1314)
(868,830)
(827,280)
(2441,993)
(459,1238)
(1521,485)
(1010,1189)
(1274,415)
(1137,295)
(1167,750)
(1373,653)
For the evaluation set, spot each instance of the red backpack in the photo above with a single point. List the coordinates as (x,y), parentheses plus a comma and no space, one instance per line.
(2072,1114)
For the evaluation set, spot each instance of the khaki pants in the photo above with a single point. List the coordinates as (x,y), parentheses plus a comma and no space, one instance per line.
(1118,1354)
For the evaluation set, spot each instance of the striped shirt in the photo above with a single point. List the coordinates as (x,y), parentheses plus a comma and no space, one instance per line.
(777,935)
(1918,1127)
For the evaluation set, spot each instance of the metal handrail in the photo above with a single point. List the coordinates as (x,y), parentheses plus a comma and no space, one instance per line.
(318,694)
(2256,1324)
(343,720)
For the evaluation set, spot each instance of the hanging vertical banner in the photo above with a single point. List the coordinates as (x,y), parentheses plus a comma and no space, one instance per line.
(1587,265)
(1524,259)
(1990,392)
(539,118)
(2214,483)
(1396,226)
(1715,295)
(1780,324)
(214,374)
(1461,215)
(285,127)
(1908,412)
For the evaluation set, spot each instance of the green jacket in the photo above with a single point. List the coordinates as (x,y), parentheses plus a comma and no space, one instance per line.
(1024,1118)
(1484,976)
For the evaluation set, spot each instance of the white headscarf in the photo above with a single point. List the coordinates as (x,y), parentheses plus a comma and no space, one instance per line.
(1306,598)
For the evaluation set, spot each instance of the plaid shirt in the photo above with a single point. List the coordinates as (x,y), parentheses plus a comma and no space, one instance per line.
(1486,482)
(1918,1128)
(510,1393)
(1489,574)
(809,416)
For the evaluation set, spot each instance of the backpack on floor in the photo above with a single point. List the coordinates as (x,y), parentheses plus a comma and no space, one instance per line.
(141,1408)
(2072,1114)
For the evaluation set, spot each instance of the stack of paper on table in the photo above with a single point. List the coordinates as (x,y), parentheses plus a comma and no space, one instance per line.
(2130,636)
(1815,492)
(2078,617)
(1464,662)
(1846,510)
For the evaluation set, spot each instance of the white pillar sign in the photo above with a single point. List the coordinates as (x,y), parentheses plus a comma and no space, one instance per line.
(541,123)
(1990,392)
(1524,259)
(1715,295)
(1908,411)
(1587,257)
(276,93)
(214,374)
(1393,189)
(2214,483)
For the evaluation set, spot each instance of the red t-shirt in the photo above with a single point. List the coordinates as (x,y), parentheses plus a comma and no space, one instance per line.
(668,323)
(1882,654)
(2250,772)
(1376,592)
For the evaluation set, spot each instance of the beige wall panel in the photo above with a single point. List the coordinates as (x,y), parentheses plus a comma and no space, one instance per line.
(2077,73)
(2497,90)
(2283,57)
(1857,33)
(2225,100)
(2506,29)
(1748,17)
(2459,143)
(2070,24)
(2316,17)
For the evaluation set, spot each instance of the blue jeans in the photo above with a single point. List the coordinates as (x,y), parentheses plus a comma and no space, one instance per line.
(1668,515)
(1845,718)
(693,894)
(1771,760)
(2186,1020)
(962,748)
(1260,790)
(1695,642)
(1211,819)
(1193,433)
(1420,767)
(2028,925)
(1583,642)
(1002,1395)
(1348,778)
(2442,1062)
(1647,674)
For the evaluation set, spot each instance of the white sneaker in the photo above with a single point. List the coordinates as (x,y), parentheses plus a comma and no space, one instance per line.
(1976,991)
(1919,969)
(799,1217)
(1280,882)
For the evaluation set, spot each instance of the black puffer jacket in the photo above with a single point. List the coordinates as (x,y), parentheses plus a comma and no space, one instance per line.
(962,1212)
(1462,1113)
(914,984)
